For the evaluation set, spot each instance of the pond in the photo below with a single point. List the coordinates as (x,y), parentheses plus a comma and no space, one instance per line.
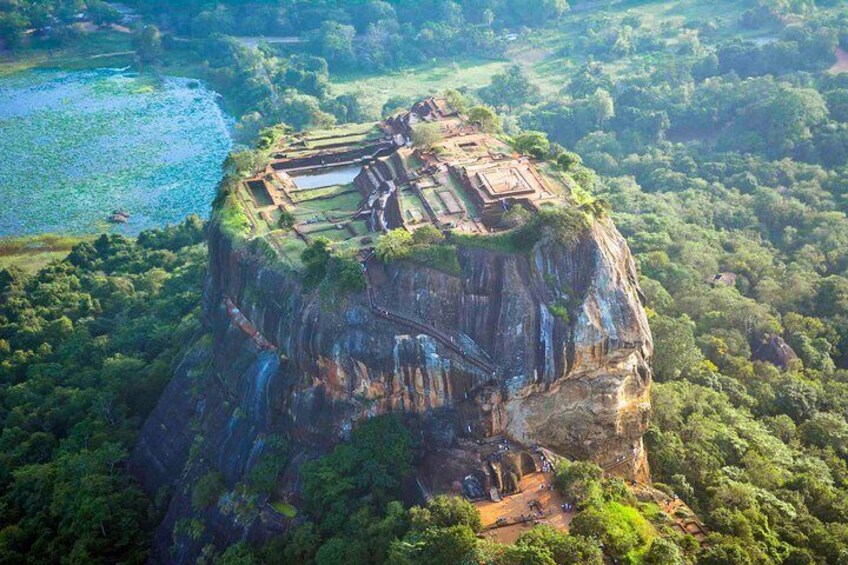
(77,145)
(330,177)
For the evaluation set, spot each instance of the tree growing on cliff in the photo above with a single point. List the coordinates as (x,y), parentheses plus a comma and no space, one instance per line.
(394,246)
(315,258)
(345,272)
(533,143)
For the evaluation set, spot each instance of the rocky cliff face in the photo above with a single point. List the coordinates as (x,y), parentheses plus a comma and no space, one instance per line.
(548,348)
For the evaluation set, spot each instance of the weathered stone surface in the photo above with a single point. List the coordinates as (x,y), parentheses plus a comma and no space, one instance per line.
(773,349)
(578,386)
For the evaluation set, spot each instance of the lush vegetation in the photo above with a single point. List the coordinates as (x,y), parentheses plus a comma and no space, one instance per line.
(354,516)
(719,140)
(92,141)
(337,272)
(86,346)
(55,17)
(283,81)
(720,155)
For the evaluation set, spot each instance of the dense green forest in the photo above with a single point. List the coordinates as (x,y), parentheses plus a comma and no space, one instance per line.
(86,346)
(717,135)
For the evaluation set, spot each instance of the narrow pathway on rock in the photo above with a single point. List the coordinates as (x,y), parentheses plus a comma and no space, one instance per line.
(441,337)
(619,463)
(240,320)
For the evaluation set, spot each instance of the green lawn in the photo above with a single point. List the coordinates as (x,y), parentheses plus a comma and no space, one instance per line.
(463,196)
(98,49)
(348,139)
(299,196)
(341,204)
(361,227)
(33,253)
(331,232)
(418,81)
(345,130)
(291,246)
(411,201)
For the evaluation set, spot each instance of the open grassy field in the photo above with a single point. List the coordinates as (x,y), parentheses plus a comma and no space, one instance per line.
(102,48)
(324,192)
(341,204)
(418,81)
(32,253)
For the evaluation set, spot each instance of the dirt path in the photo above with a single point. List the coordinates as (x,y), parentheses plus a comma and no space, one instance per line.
(253,41)
(115,54)
(841,65)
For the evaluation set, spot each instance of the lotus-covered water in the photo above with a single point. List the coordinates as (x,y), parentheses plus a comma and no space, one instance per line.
(77,145)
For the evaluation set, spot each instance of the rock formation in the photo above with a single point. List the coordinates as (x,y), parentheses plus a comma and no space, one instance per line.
(773,349)
(486,352)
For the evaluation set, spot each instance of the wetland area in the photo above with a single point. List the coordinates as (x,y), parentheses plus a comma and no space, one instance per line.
(77,145)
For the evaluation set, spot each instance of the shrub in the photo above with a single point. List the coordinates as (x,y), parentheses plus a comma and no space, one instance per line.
(287,220)
(426,134)
(533,143)
(515,217)
(232,218)
(439,257)
(427,235)
(562,225)
(560,310)
(395,245)
(568,160)
(206,491)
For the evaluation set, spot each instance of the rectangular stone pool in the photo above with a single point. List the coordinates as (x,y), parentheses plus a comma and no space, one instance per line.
(329,177)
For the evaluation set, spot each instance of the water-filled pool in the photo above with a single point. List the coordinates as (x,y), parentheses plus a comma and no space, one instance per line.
(330,177)
(75,145)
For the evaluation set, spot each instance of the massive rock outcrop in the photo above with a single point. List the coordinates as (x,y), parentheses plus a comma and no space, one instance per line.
(550,347)
(544,346)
